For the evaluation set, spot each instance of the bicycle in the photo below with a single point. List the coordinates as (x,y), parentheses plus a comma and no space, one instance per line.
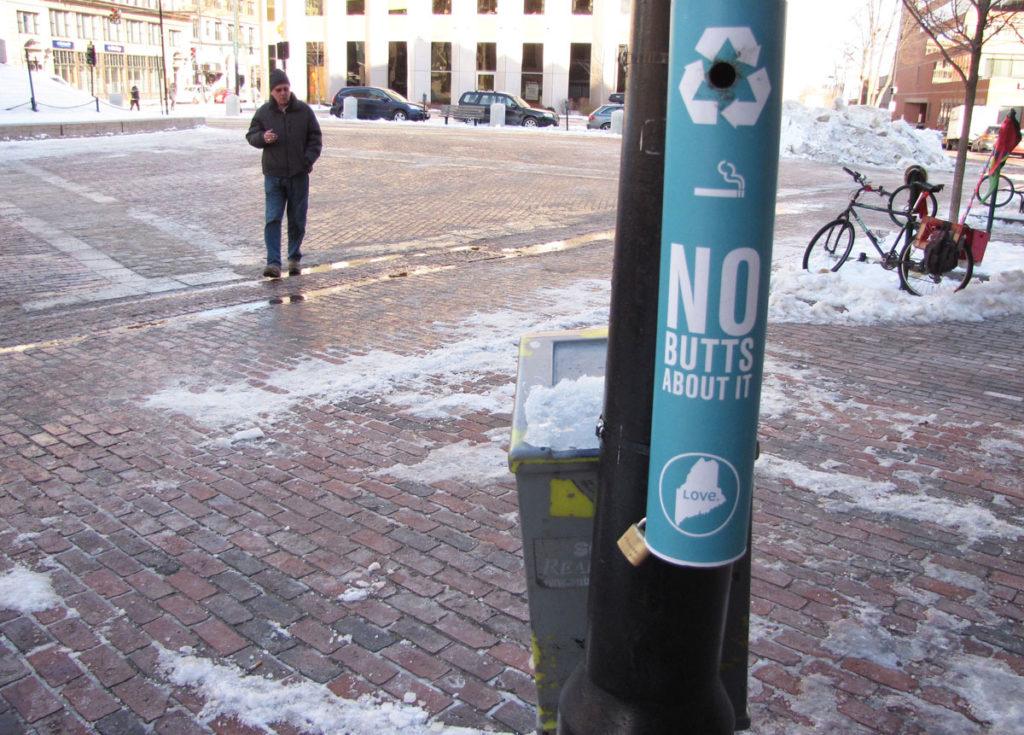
(831,245)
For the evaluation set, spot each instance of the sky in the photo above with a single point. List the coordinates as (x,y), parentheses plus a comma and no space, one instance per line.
(485,345)
(816,31)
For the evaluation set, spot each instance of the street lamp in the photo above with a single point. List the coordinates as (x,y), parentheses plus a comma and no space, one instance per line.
(30,49)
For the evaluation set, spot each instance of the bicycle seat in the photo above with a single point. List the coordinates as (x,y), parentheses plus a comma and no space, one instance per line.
(925,186)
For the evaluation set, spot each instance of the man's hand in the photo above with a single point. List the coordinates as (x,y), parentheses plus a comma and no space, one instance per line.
(269,136)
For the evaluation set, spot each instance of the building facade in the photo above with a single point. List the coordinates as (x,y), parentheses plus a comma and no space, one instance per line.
(554,53)
(105,48)
(548,51)
(928,88)
(189,48)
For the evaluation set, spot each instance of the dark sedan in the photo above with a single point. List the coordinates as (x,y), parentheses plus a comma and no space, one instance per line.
(375,103)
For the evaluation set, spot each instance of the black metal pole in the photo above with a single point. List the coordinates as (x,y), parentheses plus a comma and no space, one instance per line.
(165,107)
(655,632)
(31,87)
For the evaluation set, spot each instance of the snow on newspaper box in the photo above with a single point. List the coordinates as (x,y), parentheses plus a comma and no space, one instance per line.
(554,455)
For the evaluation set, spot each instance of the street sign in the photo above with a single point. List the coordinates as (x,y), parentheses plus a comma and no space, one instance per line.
(722,142)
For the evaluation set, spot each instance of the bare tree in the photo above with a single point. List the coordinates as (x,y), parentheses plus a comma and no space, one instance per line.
(960,29)
(878,30)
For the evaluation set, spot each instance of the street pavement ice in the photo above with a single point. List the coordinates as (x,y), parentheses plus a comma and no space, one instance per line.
(230,505)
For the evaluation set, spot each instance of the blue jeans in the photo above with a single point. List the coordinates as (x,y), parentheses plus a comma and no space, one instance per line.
(291,193)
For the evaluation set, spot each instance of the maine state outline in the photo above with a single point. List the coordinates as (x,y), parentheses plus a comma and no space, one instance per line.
(700,493)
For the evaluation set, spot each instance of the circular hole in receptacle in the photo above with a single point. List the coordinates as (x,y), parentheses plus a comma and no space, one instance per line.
(722,75)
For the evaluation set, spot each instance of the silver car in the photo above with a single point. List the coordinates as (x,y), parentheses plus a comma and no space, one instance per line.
(601,118)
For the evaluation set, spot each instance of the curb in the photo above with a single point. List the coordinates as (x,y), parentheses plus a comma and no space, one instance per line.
(35,131)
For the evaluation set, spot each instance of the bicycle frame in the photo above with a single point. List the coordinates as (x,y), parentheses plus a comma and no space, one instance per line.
(851,212)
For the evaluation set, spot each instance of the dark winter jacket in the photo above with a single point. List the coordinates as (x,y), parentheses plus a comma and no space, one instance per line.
(299,140)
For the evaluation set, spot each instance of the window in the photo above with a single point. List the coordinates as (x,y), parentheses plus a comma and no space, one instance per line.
(397,7)
(356,63)
(942,73)
(582,7)
(154,34)
(579,73)
(398,67)
(314,7)
(533,72)
(270,10)
(111,31)
(355,7)
(486,65)
(135,31)
(441,72)
(28,22)
(623,64)
(442,7)
(533,7)
(85,23)
(60,23)
(316,79)
(486,7)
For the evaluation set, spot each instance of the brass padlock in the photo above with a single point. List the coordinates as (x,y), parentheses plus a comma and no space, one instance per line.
(632,544)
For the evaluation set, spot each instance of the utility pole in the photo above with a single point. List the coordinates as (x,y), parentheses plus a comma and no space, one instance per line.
(685,354)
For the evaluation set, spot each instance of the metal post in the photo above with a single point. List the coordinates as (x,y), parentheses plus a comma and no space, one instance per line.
(236,47)
(653,658)
(31,87)
(165,107)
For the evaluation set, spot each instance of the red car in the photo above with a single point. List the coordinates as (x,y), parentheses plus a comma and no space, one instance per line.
(220,94)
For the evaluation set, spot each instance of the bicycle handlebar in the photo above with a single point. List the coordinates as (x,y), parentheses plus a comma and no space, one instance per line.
(858,177)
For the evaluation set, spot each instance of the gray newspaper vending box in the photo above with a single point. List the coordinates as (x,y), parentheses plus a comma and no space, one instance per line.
(554,455)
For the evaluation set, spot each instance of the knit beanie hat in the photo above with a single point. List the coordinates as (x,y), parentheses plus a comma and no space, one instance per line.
(278,77)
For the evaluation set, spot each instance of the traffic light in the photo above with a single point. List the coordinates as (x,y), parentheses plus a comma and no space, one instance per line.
(90,55)
(192,53)
(115,15)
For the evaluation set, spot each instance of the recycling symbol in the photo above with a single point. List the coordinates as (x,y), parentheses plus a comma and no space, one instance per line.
(742,99)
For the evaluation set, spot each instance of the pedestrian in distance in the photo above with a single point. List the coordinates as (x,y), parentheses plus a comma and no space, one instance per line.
(289,134)
(135,99)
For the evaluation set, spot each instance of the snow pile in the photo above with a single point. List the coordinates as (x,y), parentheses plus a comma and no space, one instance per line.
(56,100)
(857,136)
(26,592)
(564,416)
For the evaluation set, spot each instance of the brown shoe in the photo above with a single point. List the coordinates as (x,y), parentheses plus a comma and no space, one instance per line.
(293,268)
(272,271)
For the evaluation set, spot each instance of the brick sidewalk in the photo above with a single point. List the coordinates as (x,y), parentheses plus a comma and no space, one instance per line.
(321,533)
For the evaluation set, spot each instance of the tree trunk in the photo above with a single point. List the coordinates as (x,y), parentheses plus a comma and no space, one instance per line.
(970,94)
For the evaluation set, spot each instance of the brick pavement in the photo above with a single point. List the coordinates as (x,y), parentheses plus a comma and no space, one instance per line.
(309,536)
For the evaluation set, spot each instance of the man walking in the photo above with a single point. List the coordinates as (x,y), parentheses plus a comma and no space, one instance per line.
(289,134)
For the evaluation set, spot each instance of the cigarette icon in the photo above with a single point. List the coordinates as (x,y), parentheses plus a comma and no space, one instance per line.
(729,175)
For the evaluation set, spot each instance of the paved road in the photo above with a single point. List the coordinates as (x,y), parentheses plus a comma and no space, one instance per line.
(305,477)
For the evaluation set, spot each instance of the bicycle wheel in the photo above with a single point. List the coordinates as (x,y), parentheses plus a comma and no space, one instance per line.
(920,283)
(902,200)
(1003,191)
(830,247)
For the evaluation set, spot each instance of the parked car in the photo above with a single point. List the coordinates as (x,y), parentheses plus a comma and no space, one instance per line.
(617,98)
(601,118)
(987,140)
(375,103)
(517,110)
